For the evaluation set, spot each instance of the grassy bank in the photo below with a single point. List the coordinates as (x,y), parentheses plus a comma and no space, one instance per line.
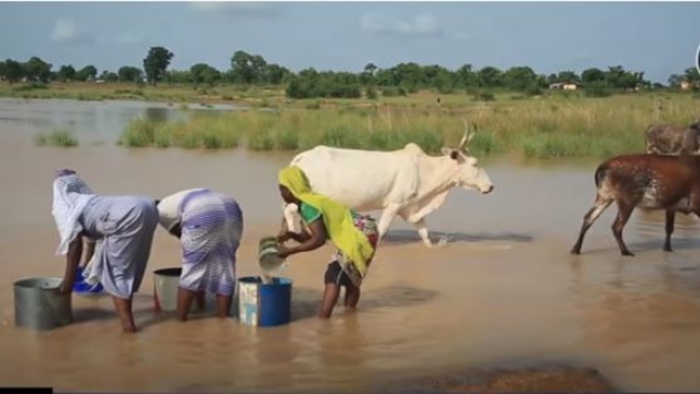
(166,93)
(557,124)
(549,127)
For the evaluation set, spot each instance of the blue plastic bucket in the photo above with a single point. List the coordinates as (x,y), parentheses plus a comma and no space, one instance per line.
(82,287)
(264,304)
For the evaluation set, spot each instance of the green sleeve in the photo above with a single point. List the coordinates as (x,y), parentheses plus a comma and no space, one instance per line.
(309,213)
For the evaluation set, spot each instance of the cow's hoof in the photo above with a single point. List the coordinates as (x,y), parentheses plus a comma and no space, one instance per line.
(628,253)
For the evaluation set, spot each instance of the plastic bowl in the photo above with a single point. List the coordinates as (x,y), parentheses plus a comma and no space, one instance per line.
(82,287)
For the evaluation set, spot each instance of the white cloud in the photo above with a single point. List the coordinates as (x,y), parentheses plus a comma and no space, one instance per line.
(420,25)
(237,8)
(66,31)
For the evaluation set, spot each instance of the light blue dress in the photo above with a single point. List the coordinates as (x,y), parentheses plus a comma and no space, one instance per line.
(212,227)
(125,225)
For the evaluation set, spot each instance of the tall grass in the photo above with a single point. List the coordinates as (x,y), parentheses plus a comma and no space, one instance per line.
(546,128)
(59,137)
(201,131)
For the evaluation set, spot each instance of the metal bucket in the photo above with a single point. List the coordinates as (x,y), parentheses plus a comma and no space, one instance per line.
(39,305)
(267,254)
(264,304)
(166,281)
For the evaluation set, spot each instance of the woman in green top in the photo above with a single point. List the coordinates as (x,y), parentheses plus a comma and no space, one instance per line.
(354,235)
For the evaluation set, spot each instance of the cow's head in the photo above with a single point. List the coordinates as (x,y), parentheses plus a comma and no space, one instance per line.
(468,174)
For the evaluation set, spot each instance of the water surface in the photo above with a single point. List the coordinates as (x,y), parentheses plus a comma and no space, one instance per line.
(505,289)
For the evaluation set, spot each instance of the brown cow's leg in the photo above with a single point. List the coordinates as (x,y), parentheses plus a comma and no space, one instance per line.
(670,217)
(623,214)
(589,219)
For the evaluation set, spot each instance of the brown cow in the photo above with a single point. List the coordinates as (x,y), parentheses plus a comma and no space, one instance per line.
(669,139)
(650,182)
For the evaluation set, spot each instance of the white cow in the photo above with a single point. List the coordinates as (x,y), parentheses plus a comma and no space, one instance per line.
(405,182)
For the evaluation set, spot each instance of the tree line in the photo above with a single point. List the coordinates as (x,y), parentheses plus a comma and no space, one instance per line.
(401,79)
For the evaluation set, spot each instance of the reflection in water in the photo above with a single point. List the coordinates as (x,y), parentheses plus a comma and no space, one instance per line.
(504,288)
(158,114)
(92,121)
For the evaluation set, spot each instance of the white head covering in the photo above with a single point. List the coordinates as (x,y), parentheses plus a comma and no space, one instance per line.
(169,209)
(70,196)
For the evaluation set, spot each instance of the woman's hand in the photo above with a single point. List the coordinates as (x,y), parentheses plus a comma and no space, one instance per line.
(65,287)
(283,237)
(283,251)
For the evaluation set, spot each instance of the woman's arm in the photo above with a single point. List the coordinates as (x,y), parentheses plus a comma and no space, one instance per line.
(285,234)
(75,251)
(314,240)
(299,237)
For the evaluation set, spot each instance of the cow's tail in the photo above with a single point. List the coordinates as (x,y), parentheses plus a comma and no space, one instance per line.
(601,173)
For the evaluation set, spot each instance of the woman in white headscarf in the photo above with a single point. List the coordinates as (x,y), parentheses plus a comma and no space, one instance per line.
(124,225)
(209,226)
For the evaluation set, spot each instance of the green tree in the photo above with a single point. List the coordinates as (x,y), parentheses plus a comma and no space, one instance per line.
(567,77)
(13,71)
(66,73)
(130,74)
(367,75)
(386,77)
(489,77)
(675,80)
(87,73)
(465,76)
(519,78)
(614,77)
(109,76)
(631,81)
(204,73)
(591,75)
(691,75)
(156,63)
(36,69)
(247,68)
(242,67)
(277,74)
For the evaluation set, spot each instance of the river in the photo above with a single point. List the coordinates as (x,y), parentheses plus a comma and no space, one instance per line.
(504,289)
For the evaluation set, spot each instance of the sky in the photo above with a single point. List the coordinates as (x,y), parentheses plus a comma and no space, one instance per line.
(657,38)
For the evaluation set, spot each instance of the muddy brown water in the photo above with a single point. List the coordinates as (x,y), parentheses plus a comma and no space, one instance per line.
(503,290)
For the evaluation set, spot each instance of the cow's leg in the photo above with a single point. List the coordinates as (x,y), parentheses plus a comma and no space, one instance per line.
(623,214)
(387,217)
(670,217)
(600,205)
(422,228)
